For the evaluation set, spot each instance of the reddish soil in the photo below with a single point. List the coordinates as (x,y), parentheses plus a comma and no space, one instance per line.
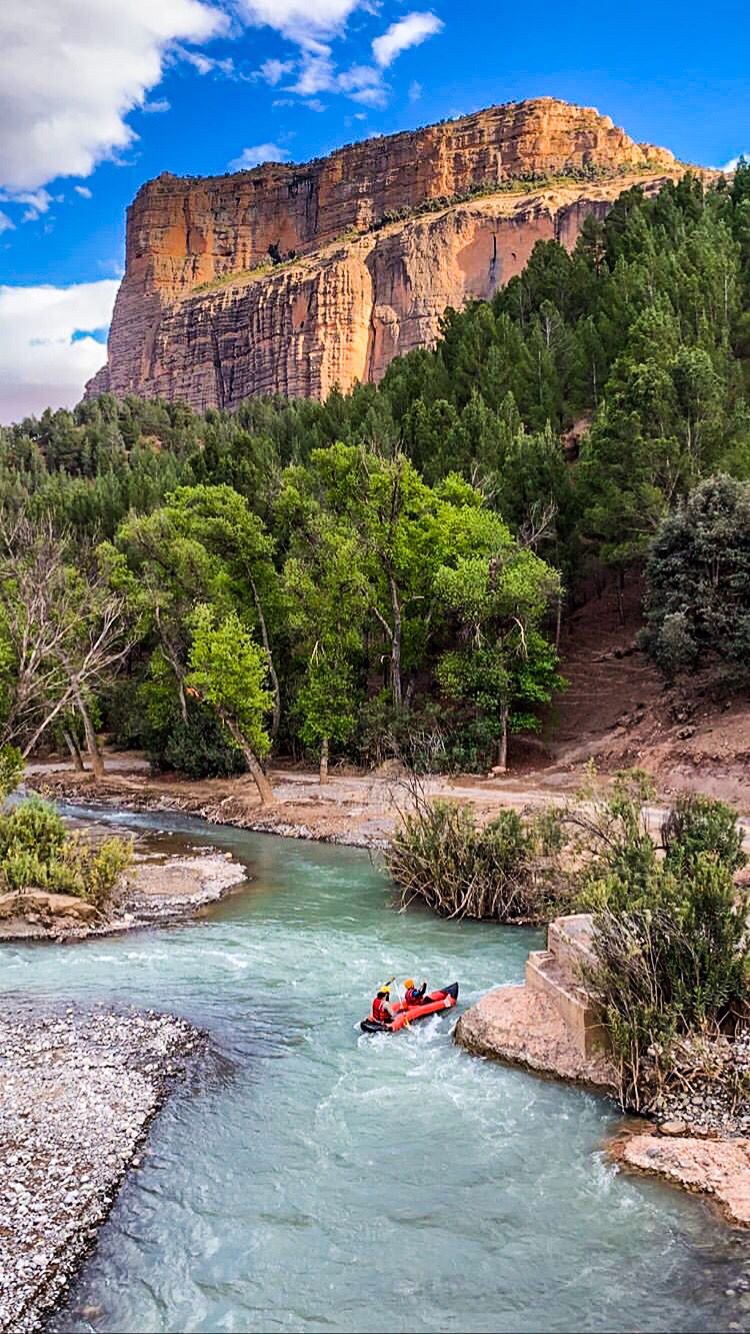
(619,711)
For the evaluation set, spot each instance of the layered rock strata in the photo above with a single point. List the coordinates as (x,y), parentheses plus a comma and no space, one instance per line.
(292,279)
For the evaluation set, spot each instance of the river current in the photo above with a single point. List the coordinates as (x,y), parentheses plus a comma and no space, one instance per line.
(312,1178)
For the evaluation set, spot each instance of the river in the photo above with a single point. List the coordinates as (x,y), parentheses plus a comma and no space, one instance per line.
(312,1178)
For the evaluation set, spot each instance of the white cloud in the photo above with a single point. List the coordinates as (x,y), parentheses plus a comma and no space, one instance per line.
(411,30)
(6,223)
(317,73)
(371,97)
(358,77)
(83,191)
(305,22)
(156,108)
(36,201)
(274,70)
(415,91)
(207,64)
(41,364)
(362,83)
(315,104)
(734,162)
(252,157)
(71,70)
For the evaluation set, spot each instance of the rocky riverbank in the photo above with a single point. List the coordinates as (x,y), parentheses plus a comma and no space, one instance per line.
(78,1090)
(699,1136)
(716,1168)
(158,888)
(357,810)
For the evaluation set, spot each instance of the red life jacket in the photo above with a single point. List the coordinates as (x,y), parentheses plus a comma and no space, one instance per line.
(378,1012)
(413,997)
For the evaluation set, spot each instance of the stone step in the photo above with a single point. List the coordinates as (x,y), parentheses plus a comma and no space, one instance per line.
(545,974)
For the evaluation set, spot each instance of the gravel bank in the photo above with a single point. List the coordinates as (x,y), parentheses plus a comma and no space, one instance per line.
(77,1092)
(155,890)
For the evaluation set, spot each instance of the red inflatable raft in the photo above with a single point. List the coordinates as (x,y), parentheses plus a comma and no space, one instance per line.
(404,1014)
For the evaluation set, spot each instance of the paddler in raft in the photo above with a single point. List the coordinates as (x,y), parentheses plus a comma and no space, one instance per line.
(413,995)
(381,1006)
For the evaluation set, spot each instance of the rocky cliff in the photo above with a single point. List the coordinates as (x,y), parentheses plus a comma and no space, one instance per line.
(292,279)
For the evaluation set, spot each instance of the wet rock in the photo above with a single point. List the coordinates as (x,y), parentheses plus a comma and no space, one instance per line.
(718,1168)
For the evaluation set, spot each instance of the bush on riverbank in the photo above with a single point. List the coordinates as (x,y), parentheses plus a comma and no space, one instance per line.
(670,930)
(507,870)
(679,968)
(38,852)
(624,859)
(670,941)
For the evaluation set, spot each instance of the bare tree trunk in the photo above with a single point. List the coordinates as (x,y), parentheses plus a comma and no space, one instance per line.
(502,745)
(558,626)
(177,668)
(63,701)
(324,760)
(396,645)
(74,749)
(97,763)
(620,588)
(275,688)
(265,791)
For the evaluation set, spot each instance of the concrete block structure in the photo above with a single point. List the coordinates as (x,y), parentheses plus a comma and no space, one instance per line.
(558,973)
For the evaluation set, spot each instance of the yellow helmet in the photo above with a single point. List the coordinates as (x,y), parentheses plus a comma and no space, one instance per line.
(409,982)
(384,991)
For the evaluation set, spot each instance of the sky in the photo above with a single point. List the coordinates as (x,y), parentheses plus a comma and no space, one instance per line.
(98,96)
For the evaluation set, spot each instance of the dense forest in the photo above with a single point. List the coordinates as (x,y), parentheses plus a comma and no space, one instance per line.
(386,572)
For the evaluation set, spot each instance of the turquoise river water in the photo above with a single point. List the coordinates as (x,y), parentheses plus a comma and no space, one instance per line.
(311,1178)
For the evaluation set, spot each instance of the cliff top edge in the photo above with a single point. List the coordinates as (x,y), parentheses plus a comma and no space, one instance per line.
(279,171)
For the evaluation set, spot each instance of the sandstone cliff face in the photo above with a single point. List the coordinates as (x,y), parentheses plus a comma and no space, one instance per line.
(344,307)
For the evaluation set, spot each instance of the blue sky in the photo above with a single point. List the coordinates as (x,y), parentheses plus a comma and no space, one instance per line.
(97,96)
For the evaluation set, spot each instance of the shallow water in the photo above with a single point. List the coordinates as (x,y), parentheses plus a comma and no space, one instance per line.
(312,1178)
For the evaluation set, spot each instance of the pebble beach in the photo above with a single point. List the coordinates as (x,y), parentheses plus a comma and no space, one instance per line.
(78,1089)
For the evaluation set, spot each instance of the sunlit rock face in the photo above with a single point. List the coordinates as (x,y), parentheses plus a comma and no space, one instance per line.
(293,279)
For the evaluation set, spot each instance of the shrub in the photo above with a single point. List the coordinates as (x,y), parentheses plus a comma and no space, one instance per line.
(614,844)
(87,871)
(34,826)
(698,824)
(11,769)
(435,738)
(698,578)
(669,970)
(199,748)
(506,870)
(620,855)
(36,852)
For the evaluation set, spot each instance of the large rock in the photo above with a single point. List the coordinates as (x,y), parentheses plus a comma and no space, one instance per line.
(521,1026)
(719,1168)
(43,904)
(195,319)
